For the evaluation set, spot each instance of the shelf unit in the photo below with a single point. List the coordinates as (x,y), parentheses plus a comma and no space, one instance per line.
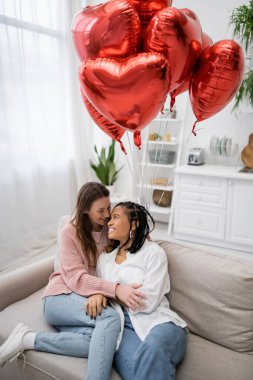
(151,171)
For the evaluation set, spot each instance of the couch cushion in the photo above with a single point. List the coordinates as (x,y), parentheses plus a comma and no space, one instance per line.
(20,283)
(206,360)
(49,366)
(213,294)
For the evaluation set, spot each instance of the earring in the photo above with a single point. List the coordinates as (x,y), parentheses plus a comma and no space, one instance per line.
(131,234)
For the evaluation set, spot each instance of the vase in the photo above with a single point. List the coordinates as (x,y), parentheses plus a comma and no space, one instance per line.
(247,153)
(111,189)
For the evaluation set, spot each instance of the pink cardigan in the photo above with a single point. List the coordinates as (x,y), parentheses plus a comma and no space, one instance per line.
(74,274)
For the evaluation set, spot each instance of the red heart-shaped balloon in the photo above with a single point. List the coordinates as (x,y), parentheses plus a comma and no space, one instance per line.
(206,41)
(129,93)
(112,130)
(111,30)
(147,8)
(175,33)
(216,78)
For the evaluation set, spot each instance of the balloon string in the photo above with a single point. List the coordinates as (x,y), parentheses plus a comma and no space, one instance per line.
(134,175)
(193,128)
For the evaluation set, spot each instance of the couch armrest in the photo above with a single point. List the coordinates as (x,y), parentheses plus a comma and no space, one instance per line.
(23,282)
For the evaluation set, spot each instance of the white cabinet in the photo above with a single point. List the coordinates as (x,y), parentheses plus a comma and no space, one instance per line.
(239,227)
(214,205)
(201,206)
(158,162)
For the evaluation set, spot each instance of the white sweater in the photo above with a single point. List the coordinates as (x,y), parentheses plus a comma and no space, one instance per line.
(147,267)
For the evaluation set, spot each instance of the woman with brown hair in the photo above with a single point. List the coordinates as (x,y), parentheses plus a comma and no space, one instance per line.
(74,285)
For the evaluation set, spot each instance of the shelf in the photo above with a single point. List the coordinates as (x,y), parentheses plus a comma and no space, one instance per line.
(156,187)
(159,142)
(159,210)
(158,165)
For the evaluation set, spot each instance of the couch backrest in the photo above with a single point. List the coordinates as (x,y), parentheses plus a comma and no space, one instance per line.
(213,293)
(63,221)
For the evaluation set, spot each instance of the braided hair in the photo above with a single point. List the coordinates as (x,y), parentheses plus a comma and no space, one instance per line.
(139,216)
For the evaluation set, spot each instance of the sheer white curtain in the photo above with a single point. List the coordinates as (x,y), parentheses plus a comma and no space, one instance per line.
(44,139)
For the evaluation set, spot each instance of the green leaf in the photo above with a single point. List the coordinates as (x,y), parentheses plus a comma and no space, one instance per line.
(246,90)
(106,170)
(242,22)
(111,151)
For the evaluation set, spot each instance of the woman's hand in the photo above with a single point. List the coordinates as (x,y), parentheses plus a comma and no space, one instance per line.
(131,297)
(93,307)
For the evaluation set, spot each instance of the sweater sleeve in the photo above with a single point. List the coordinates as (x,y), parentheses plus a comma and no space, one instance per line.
(74,271)
(156,281)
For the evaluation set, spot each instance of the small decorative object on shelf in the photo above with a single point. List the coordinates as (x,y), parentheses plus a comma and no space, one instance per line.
(247,153)
(161,181)
(166,137)
(173,114)
(154,137)
(223,146)
(159,156)
(162,198)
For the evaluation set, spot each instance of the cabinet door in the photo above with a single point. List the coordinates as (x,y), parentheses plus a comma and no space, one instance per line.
(202,190)
(200,221)
(239,226)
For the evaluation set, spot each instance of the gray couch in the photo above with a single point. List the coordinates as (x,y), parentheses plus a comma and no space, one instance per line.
(213,293)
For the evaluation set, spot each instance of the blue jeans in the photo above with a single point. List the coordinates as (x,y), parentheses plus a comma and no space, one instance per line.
(154,358)
(79,335)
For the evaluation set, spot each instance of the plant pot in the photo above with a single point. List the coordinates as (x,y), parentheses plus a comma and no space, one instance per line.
(111,189)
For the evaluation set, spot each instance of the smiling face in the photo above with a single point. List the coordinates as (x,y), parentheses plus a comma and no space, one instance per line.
(99,212)
(119,225)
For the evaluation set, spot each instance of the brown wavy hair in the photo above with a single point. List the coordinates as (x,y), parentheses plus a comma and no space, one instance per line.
(88,194)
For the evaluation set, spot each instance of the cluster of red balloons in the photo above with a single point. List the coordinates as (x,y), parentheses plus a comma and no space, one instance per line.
(136,52)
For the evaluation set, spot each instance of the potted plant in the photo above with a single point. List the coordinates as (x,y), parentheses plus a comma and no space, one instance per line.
(106,169)
(242,22)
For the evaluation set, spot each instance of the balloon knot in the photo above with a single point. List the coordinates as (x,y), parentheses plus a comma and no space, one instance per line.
(122,147)
(137,139)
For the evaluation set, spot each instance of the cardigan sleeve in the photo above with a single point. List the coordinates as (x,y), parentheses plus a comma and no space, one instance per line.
(74,269)
(156,281)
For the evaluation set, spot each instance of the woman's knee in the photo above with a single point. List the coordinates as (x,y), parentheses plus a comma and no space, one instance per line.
(111,315)
(167,337)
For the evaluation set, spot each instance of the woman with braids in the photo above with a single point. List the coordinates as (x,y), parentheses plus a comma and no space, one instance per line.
(75,286)
(153,341)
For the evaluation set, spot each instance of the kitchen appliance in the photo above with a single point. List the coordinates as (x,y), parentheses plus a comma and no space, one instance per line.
(196,156)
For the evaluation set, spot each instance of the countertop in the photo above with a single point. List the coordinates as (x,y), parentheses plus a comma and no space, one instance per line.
(224,171)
